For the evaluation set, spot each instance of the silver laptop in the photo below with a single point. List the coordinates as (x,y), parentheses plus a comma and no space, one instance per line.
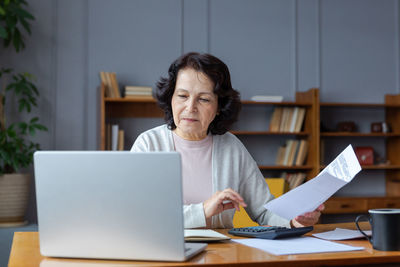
(111,205)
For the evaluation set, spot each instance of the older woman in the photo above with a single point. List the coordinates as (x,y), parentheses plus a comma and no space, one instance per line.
(218,172)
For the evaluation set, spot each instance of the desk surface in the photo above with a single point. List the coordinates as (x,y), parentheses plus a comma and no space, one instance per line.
(25,249)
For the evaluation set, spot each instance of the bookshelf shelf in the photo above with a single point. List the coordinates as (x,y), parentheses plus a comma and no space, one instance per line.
(300,104)
(359,105)
(269,133)
(282,167)
(356,134)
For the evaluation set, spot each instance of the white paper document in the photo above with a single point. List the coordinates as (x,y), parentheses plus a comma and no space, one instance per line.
(308,196)
(342,234)
(297,245)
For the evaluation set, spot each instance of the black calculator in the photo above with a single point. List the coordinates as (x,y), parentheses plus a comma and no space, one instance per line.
(270,232)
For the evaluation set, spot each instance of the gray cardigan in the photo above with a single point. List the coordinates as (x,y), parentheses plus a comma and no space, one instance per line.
(232,167)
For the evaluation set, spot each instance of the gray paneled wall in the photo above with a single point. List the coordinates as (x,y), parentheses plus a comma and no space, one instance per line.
(348,48)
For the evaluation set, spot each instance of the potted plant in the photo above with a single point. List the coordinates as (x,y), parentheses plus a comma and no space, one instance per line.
(17,89)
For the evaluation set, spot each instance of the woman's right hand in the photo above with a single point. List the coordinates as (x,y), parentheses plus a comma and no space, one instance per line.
(222,200)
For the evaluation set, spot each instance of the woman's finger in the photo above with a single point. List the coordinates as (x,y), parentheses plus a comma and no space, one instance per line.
(233,196)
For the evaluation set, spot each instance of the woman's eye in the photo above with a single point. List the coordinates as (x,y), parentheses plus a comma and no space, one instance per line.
(181,96)
(204,100)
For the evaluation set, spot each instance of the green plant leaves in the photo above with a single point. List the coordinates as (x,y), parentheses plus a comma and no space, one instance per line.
(14,18)
(16,148)
(3,33)
(16,151)
(25,90)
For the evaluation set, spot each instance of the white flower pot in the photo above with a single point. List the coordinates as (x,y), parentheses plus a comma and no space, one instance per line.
(14,193)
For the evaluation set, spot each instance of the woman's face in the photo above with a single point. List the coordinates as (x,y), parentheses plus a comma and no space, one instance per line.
(194,104)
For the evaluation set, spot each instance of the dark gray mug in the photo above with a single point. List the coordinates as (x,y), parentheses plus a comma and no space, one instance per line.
(385,224)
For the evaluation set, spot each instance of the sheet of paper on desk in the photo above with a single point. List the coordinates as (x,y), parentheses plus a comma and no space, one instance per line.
(342,234)
(297,245)
(308,196)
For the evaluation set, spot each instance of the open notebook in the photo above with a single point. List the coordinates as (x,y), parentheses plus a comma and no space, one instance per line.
(204,235)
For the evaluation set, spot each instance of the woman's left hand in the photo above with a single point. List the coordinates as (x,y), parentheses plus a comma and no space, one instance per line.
(308,218)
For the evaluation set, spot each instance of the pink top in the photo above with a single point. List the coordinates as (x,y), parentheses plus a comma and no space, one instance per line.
(196,168)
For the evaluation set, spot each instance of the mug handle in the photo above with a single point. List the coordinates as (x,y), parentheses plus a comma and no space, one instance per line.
(359,229)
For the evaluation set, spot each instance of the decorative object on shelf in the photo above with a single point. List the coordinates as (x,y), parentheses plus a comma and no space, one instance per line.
(346,126)
(16,146)
(267,98)
(380,127)
(365,155)
(376,127)
(379,160)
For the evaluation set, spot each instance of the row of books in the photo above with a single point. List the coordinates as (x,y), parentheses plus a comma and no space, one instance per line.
(109,79)
(143,92)
(294,179)
(114,137)
(287,119)
(293,153)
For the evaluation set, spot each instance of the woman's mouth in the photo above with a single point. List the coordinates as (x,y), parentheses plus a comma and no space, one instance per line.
(189,119)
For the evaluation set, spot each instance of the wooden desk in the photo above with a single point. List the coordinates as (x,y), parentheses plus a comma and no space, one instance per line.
(25,252)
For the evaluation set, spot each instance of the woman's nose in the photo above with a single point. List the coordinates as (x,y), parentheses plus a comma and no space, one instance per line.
(191,105)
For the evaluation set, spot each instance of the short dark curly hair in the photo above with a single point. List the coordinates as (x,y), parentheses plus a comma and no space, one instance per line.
(229,104)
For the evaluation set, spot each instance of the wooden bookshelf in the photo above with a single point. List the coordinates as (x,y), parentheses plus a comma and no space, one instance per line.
(391,199)
(111,108)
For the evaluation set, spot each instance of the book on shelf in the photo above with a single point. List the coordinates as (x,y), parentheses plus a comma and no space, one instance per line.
(293,179)
(267,98)
(109,79)
(130,88)
(274,123)
(292,152)
(114,137)
(107,87)
(139,92)
(114,84)
(108,137)
(280,156)
(299,120)
(288,153)
(121,140)
(287,119)
(293,117)
(302,153)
